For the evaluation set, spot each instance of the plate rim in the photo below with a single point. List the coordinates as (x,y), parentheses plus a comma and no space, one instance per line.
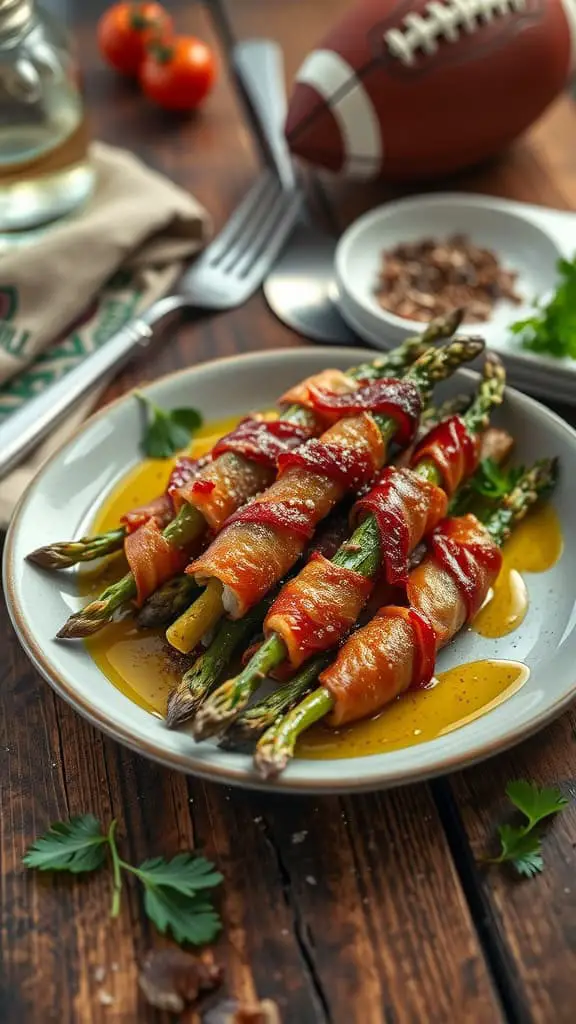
(238,775)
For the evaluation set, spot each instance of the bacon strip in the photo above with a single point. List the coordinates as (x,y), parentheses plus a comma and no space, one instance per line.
(327,380)
(389,396)
(223,487)
(469,556)
(262,440)
(317,607)
(161,509)
(405,508)
(395,651)
(453,450)
(263,541)
(244,461)
(152,559)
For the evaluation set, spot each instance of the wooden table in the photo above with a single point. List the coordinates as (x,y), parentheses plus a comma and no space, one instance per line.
(382,913)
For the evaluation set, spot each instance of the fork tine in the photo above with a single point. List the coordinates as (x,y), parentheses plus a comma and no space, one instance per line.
(246,240)
(263,239)
(273,246)
(240,219)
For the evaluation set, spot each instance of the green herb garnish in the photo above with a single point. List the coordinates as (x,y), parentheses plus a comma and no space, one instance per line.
(175,891)
(520,845)
(551,329)
(490,481)
(167,431)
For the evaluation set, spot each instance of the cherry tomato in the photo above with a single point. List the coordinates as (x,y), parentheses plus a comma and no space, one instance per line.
(180,74)
(125,30)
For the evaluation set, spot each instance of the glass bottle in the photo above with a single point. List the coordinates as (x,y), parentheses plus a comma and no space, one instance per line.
(44,168)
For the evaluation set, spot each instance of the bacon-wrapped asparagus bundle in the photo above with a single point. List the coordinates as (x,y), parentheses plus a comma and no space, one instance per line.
(64,554)
(174,596)
(318,608)
(396,650)
(241,465)
(263,540)
(232,635)
(496,445)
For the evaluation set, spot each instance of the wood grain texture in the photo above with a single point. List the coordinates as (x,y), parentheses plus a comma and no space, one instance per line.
(347,911)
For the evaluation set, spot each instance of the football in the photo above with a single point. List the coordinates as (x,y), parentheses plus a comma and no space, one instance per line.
(405,89)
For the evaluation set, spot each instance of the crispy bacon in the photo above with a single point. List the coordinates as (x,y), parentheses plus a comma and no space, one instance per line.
(316,608)
(370,670)
(152,559)
(399,399)
(350,467)
(395,651)
(327,380)
(469,555)
(405,508)
(223,487)
(161,509)
(263,541)
(263,440)
(453,450)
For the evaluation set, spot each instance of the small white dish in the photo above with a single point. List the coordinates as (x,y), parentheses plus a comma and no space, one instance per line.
(527,239)
(62,500)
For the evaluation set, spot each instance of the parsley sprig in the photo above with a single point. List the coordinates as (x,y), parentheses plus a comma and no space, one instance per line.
(175,891)
(521,845)
(490,482)
(551,328)
(167,431)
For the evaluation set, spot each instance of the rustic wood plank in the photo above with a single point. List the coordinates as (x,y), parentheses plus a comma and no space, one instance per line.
(533,920)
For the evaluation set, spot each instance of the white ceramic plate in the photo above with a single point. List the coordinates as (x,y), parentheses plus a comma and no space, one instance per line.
(64,496)
(527,238)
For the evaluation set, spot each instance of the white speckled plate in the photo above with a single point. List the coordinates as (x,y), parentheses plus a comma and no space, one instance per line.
(529,239)
(64,496)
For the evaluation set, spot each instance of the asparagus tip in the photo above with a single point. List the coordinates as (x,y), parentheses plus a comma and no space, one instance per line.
(85,622)
(270,759)
(182,705)
(217,712)
(50,557)
(455,318)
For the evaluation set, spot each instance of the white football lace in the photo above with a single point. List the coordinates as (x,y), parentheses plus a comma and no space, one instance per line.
(444,22)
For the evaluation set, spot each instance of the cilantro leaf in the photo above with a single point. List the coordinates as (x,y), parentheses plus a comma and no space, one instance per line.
(189,918)
(522,846)
(185,873)
(535,803)
(522,849)
(76,845)
(490,481)
(551,328)
(175,897)
(167,431)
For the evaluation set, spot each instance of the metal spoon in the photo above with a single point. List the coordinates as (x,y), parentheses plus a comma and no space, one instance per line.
(300,288)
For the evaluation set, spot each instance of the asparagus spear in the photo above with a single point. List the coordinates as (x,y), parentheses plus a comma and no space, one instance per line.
(277,745)
(70,552)
(166,603)
(203,676)
(190,524)
(434,414)
(360,553)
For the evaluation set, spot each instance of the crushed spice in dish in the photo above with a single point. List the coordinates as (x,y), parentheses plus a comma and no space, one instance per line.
(429,278)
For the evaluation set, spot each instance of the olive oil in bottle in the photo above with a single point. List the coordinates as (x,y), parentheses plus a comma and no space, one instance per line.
(44,168)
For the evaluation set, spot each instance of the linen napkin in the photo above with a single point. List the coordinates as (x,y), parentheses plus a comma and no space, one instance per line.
(81,280)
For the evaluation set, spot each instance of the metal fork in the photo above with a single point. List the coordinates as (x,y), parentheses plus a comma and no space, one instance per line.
(224,276)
